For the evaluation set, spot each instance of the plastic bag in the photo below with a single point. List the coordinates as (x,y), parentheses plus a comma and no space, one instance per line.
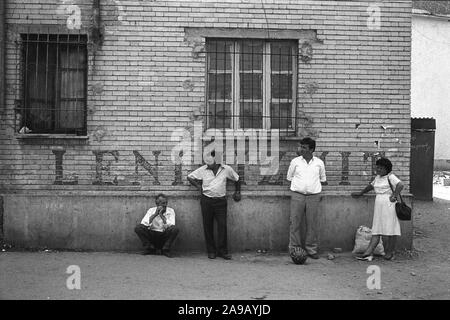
(362,239)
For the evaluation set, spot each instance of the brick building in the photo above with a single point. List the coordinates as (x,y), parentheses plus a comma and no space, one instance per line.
(101,97)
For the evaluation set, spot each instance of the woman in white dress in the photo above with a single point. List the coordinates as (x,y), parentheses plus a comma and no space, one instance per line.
(385,221)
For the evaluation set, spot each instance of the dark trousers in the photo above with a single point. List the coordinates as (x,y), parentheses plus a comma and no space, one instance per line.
(155,239)
(215,208)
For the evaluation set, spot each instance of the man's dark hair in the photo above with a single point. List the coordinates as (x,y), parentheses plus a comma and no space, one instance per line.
(309,142)
(160,195)
(386,163)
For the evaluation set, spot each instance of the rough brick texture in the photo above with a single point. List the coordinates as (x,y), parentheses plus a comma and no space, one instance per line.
(138,93)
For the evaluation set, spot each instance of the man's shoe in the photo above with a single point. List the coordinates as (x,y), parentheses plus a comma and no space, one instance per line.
(225,256)
(167,253)
(148,251)
(211,255)
(365,258)
(389,257)
(313,256)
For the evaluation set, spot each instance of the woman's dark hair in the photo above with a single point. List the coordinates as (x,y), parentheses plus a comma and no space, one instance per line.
(386,163)
(309,142)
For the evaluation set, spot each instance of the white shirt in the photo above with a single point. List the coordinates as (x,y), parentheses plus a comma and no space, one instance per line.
(157,223)
(306,177)
(214,186)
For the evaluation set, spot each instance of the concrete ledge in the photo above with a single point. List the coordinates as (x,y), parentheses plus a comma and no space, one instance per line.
(288,34)
(106,222)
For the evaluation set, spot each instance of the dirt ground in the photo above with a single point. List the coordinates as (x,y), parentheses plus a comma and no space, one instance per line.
(423,273)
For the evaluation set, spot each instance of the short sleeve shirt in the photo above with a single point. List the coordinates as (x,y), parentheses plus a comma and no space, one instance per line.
(157,223)
(381,185)
(306,177)
(214,186)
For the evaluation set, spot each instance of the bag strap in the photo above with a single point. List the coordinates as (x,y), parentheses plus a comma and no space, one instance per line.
(392,188)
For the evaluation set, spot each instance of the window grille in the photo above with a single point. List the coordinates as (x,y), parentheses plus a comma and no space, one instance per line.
(251,84)
(54,83)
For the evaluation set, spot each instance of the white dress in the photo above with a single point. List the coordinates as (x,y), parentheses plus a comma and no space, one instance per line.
(385,221)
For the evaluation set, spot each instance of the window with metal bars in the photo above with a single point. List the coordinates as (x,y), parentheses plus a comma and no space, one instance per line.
(251,84)
(54,83)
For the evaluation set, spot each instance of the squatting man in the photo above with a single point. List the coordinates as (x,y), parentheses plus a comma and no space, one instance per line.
(157,229)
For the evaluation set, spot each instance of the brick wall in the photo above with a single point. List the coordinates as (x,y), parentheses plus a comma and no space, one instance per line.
(147,80)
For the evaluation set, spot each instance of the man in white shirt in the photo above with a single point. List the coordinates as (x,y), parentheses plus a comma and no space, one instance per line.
(157,229)
(307,175)
(211,180)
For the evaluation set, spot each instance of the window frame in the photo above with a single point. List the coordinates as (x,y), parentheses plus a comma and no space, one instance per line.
(60,41)
(266,84)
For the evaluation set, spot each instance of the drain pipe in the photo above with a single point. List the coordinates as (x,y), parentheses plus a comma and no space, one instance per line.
(96,34)
(2,93)
(97,23)
(2,53)
(97,26)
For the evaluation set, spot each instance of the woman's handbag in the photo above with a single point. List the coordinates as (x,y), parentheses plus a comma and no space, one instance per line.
(401,208)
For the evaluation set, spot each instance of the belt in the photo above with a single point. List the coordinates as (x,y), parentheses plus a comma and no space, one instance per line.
(215,198)
(306,194)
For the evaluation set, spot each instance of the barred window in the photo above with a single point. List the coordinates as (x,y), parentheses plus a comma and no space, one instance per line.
(251,84)
(54,82)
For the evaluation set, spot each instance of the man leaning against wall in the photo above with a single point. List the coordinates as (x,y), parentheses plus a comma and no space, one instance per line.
(307,175)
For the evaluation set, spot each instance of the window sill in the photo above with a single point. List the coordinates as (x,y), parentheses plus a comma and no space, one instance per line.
(283,135)
(291,138)
(50,136)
